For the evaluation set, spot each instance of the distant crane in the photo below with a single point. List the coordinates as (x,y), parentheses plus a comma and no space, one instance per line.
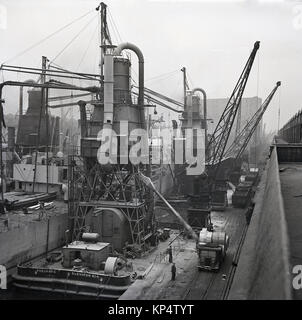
(242,139)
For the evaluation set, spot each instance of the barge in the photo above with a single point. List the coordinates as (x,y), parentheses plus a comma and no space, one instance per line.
(80,268)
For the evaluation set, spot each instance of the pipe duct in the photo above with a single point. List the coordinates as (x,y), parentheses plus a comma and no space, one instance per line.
(118,50)
(204,106)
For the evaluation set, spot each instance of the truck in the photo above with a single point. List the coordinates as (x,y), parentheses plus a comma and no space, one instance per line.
(199,218)
(211,245)
(211,249)
(253,176)
(243,194)
(219,200)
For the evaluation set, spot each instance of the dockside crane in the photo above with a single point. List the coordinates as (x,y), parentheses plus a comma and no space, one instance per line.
(218,141)
(215,149)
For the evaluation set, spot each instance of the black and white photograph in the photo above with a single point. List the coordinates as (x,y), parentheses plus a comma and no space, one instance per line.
(151,153)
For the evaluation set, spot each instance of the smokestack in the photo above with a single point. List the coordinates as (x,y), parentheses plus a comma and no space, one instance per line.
(82,105)
(21,101)
(108,89)
(21,96)
(11,138)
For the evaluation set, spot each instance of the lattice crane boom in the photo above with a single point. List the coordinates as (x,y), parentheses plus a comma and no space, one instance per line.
(243,138)
(216,147)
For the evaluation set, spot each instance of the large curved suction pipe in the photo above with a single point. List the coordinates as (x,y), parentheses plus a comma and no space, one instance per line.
(204,107)
(118,50)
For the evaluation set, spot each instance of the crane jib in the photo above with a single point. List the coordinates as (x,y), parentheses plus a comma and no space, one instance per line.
(217,144)
(243,138)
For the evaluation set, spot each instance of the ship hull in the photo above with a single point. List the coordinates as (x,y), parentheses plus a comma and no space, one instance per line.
(27,238)
(71,283)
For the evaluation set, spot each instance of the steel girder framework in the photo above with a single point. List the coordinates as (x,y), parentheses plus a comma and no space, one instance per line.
(108,186)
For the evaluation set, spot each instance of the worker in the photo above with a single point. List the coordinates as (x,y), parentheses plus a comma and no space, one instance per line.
(170,254)
(42,210)
(173,271)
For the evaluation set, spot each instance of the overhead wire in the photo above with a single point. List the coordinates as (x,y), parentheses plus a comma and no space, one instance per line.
(119,39)
(178,87)
(87,48)
(114,25)
(161,76)
(115,34)
(72,40)
(48,37)
(51,35)
(188,76)
(50,74)
(88,76)
(118,34)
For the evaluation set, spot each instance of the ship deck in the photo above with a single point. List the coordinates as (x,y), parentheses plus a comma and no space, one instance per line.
(17,218)
(141,265)
(290,178)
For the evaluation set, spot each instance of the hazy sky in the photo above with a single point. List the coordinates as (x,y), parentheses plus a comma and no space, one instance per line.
(212,39)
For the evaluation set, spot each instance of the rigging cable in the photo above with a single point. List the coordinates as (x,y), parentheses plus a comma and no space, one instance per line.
(115,34)
(192,84)
(71,41)
(118,35)
(85,53)
(279,109)
(164,76)
(114,26)
(48,37)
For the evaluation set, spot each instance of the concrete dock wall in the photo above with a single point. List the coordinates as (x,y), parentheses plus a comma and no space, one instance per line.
(29,241)
(263,267)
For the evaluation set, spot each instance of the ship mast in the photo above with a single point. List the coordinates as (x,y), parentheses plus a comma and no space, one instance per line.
(186,86)
(104,32)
